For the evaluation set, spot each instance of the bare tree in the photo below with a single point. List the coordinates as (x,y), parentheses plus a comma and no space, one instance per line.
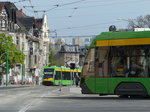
(147,20)
(139,22)
(131,24)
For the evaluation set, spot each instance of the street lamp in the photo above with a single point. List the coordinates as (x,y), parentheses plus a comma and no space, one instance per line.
(123,19)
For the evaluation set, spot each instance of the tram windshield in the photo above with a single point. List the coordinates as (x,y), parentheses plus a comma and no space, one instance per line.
(48,73)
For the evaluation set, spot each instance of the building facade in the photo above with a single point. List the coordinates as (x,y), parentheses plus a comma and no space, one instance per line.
(30,35)
(68,54)
(77,41)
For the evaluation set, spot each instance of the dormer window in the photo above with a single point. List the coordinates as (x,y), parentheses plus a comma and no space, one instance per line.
(3,23)
(2,16)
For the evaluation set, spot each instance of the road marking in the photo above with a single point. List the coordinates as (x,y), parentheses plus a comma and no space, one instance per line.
(27,107)
(24,109)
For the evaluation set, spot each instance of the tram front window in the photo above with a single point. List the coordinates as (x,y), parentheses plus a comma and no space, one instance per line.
(48,73)
(88,68)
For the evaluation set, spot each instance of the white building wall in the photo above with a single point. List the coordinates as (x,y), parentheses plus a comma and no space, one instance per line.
(77,41)
(45,28)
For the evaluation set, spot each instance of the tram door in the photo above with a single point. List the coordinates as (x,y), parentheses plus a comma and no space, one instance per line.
(101,70)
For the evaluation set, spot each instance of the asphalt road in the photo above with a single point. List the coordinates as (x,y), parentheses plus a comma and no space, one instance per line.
(68,99)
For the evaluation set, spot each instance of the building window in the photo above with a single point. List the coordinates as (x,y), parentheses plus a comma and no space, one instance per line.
(45,34)
(3,16)
(0,23)
(17,40)
(29,59)
(3,23)
(35,59)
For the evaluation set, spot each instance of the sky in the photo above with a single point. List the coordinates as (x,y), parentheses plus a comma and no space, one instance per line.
(84,17)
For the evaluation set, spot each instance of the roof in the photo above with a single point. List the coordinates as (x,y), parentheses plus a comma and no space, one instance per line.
(1,6)
(47,67)
(120,35)
(29,22)
(10,7)
(69,49)
(26,21)
(16,15)
(38,23)
(20,13)
(63,68)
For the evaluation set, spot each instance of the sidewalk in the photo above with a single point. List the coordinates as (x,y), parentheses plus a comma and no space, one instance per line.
(74,89)
(2,87)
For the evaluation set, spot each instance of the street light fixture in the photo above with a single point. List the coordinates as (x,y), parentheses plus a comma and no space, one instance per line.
(123,19)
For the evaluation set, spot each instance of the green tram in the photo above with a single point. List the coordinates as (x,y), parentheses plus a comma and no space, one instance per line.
(59,75)
(118,63)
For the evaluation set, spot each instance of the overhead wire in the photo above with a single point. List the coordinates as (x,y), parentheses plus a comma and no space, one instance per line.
(20,1)
(72,2)
(30,2)
(106,4)
(73,12)
(85,26)
(61,5)
(57,5)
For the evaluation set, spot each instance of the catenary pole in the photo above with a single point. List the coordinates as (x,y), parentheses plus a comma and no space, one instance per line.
(7,63)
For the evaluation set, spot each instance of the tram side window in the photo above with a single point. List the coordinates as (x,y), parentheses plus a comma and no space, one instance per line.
(117,61)
(140,62)
(58,75)
(89,65)
(134,63)
(66,75)
(102,68)
(147,60)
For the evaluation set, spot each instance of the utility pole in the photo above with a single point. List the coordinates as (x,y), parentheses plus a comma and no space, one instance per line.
(23,66)
(60,82)
(7,63)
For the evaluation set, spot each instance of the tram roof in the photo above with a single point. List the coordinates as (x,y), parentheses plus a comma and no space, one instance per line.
(120,35)
(61,68)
